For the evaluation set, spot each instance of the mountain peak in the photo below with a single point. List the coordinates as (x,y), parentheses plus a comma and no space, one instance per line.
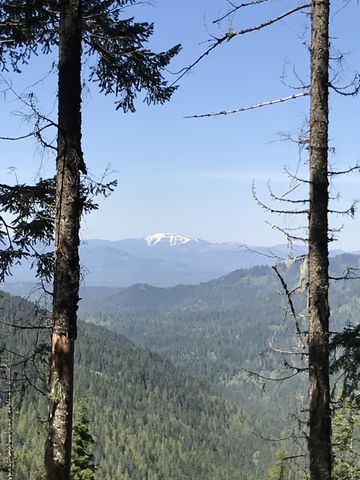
(168,238)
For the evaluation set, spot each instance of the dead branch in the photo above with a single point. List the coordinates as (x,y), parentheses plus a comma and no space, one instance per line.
(236,8)
(350,211)
(292,189)
(285,231)
(279,379)
(269,439)
(232,34)
(354,84)
(281,351)
(350,274)
(295,177)
(34,133)
(250,107)
(287,292)
(273,210)
(282,198)
(343,172)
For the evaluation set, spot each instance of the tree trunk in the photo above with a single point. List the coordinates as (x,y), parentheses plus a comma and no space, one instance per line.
(10,432)
(69,163)
(319,392)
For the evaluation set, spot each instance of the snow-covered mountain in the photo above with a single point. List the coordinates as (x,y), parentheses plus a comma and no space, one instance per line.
(164,259)
(168,239)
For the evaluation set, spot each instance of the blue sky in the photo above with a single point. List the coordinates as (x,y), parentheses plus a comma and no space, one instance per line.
(194,176)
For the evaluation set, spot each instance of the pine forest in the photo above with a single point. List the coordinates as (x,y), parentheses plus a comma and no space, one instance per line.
(228,349)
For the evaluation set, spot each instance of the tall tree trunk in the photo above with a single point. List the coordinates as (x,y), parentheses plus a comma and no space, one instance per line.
(10,432)
(319,392)
(69,163)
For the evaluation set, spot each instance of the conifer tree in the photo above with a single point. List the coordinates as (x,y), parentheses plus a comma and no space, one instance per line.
(346,424)
(123,66)
(83,465)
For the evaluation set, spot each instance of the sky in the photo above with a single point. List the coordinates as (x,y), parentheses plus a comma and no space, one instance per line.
(194,176)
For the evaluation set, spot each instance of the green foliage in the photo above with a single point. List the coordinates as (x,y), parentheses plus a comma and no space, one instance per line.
(216,331)
(166,424)
(25,29)
(347,344)
(346,428)
(30,231)
(278,471)
(83,465)
(117,59)
(149,418)
(122,65)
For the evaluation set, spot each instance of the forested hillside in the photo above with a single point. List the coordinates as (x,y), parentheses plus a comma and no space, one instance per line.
(149,418)
(164,422)
(227,328)
(254,374)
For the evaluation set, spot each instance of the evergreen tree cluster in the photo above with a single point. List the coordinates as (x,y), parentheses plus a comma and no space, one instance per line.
(149,418)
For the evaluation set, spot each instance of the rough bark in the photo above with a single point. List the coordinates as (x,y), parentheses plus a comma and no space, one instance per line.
(69,163)
(319,392)
(10,432)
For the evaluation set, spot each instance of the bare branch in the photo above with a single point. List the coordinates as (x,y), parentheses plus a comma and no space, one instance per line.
(278,379)
(291,238)
(267,255)
(24,327)
(273,210)
(287,292)
(269,439)
(232,34)
(250,107)
(295,177)
(350,274)
(35,133)
(354,84)
(297,185)
(238,7)
(350,211)
(344,172)
(283,199)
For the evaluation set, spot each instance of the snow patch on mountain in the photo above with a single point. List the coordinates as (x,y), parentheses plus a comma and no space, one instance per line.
(169,238)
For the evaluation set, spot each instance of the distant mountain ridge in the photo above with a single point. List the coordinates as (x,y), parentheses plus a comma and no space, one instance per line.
(171,238)
(168,259)
(230,291)
(164,259)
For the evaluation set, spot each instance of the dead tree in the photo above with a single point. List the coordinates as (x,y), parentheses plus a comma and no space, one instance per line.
(317,210)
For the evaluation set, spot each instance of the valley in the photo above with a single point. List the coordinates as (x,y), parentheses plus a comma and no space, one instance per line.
(195,381)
